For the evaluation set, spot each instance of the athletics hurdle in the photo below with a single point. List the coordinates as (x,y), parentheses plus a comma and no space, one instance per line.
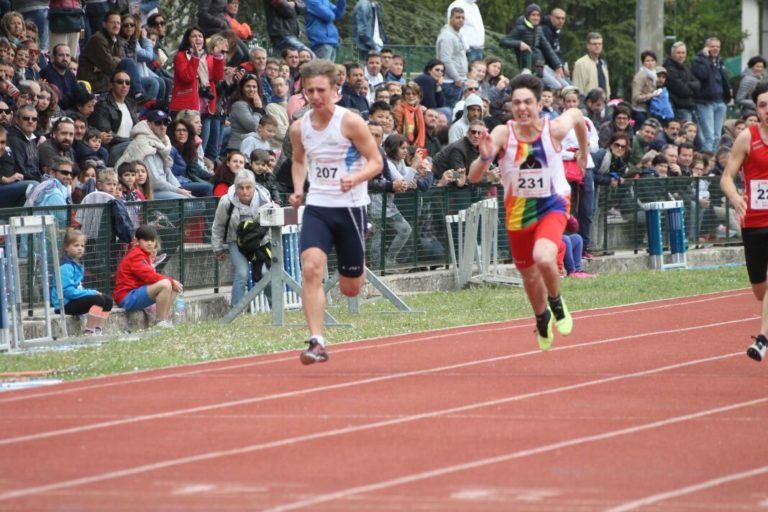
(38,227)
(676,221)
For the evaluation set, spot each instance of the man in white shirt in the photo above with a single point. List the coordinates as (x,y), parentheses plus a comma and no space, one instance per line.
(473,31)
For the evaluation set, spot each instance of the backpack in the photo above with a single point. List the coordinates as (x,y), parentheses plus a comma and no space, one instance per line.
(250,234)
(122,224)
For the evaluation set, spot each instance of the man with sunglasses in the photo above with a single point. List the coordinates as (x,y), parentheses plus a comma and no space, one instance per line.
(150,145)
(13,186)
(54,191)
(103,54)
(6,115)
(57,73)
(23,143)
(115,113)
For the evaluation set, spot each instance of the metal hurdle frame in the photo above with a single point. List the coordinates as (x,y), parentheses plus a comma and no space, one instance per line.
(11,316)
(676,220)
(481,217)
(278,219)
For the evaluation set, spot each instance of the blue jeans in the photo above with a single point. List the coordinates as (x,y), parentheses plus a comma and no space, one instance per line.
(241,266)
(474,54)
(586,206)
(211,135)
(683,114)
(40,17)
(451,93)
(13,195)
(198,188)
(551,80)
(94,17)
(154,85)
(573,249)
(711,117)
(325,51)
(287,42)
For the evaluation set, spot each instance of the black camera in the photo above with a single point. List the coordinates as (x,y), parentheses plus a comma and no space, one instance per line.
(206,93)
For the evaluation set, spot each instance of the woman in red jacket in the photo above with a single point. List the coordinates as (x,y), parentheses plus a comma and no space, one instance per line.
(196,72)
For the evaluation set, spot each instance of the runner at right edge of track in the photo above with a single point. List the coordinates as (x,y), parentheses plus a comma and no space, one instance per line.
(749,156)
(537,196)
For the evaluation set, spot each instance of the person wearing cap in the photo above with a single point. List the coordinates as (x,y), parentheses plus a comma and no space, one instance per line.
(660,107)
(528,40)
(151,146)
(749,78)
(644,87)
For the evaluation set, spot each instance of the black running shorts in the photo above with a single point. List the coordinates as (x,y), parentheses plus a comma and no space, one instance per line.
(756,253)
(342,228)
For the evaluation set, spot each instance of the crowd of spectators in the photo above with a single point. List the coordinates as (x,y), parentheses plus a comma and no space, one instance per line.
(189,118)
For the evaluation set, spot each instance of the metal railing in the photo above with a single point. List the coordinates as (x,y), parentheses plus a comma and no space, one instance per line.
(414,236)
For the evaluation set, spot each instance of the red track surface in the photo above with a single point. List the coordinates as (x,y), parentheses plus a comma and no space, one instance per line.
(651,406)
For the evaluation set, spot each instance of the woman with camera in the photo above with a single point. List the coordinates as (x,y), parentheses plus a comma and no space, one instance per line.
(196,73)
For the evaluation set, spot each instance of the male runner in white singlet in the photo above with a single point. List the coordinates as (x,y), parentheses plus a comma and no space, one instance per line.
(335,149)
(537,197)
(750,156)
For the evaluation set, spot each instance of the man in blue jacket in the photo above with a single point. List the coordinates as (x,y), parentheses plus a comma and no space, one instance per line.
(322,33)
(367,28)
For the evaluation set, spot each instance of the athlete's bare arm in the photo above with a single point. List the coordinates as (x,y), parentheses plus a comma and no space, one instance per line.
(490,145)
(299,165)
(739,153)
(572,119)
(353,127)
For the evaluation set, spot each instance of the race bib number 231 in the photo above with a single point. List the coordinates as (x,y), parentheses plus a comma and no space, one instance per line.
(530,183)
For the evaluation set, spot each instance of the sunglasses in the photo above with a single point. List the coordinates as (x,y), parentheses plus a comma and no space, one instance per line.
(473,88)
(29,119)
(160,23)
(619,146)
(475,132)
(5,111)
(65,173)
(121,81)
(165,122)
(129,25)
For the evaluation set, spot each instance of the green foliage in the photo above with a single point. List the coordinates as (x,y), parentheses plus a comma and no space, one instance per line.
(418,23)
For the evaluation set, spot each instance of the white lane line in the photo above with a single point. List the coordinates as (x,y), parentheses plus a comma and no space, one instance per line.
(343,431)
(306,391)
(656,498)
(415,477)
(355,346)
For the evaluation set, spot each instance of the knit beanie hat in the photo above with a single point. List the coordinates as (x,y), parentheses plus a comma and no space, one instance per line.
(531,8)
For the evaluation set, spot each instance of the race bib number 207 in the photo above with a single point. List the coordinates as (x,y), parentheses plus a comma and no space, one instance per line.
(758,194)
(326,173)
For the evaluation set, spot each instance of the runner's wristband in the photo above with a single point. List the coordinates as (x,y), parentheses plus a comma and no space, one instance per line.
(489,159)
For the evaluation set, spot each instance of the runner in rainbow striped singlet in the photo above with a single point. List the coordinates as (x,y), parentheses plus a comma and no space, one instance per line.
(536,196)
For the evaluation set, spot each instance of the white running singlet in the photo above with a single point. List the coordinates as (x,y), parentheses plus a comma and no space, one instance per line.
(330,156)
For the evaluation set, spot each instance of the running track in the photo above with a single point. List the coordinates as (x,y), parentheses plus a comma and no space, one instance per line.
(651,406)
